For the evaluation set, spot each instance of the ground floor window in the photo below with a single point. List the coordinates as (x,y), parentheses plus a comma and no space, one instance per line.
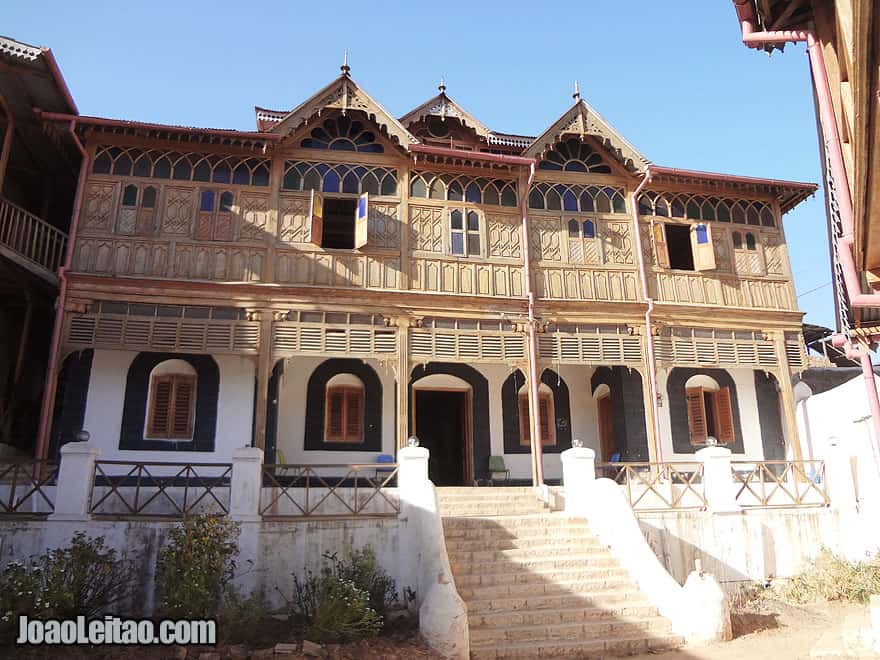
(345,413)
(546,417)
(710,414)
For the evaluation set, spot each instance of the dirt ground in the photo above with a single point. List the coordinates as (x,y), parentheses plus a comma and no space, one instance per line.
(773,631)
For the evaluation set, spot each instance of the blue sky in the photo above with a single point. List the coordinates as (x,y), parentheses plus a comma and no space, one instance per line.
(673,78)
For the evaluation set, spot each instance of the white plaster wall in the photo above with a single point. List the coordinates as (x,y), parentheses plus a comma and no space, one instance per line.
(292,414)
(747,403)
(104,402)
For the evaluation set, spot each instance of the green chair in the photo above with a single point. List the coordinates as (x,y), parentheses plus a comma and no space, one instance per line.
(497,466)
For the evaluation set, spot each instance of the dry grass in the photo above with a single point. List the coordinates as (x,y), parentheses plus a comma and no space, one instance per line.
(831,578)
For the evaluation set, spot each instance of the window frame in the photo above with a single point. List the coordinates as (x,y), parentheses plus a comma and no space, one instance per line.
(698,416)
(465,232)
(345,436)
(208,226)
(525,426)
(176,380)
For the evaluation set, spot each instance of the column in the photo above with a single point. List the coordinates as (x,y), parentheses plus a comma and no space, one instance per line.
(786,394)
(578,475)
(264,368)
(402,381)
(76,477)
(718,484)
(246,484)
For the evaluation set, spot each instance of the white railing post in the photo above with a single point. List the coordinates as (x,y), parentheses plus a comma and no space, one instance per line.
(718,484)
(76,478)
(246,484)
(578,474)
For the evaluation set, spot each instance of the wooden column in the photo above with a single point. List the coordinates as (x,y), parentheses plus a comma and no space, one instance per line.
(274,220)
(264,369)
(652,425)
(8,136)
(786,393)
(403,369)
(403,219)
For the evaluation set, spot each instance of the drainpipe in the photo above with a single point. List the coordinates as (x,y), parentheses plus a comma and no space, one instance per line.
(537,440)
(653,426)
(834,153)
(51,385)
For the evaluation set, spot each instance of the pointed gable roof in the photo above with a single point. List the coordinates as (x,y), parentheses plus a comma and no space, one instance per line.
(443,106)
(345,94)
(581,119)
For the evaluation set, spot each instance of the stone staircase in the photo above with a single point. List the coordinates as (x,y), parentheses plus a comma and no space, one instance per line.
(540,585)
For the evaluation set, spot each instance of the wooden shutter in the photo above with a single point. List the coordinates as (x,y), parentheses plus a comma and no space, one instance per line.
(660,248)
(159,421)
(702,246)
(361,220)
(547,419)
(183,406)
(316,213)
(525,430)
(723,411)
(335,414)
(354,414)
(224,221)
(205,219)
(696,410)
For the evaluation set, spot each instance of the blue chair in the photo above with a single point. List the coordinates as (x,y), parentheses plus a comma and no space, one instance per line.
(383,459)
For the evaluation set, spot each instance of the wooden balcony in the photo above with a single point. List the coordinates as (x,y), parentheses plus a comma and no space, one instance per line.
(31,242)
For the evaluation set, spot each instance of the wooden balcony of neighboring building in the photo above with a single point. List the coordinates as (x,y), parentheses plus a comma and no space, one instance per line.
(30,242)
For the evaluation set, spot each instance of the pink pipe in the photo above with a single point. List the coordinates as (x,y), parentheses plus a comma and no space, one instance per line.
(653,426)
(537,440)
(834,152)
(50,388)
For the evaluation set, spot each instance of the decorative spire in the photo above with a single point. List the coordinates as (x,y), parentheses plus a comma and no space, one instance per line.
(577,92)
(442,86)
(345,68)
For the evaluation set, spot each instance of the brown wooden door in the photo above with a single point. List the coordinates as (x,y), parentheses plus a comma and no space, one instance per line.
(606,429)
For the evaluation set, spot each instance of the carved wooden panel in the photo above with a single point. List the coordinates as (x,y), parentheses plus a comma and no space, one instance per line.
(355,270)
(748,262)
(545,239)
(696,289)
(177,217)
(126,220)
(97,209)
(426,225)
(647,245)
(616,241)
(723,259)
(466,278)
(383,229)
(587,284)
(121,257)
(254,217)
(225,263)
(774,255)
(504,236)
(294,226)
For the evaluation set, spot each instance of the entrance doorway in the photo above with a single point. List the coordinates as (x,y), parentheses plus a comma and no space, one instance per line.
(442,424)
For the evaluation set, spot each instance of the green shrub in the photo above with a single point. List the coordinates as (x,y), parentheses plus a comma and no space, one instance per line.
(239,617)
(829,577)
(364,571)
(83,578)
(196,566)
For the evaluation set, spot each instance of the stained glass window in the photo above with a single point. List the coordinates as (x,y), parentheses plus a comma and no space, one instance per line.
(343,133)
(572,155)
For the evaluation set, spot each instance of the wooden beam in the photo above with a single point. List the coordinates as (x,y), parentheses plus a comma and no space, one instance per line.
(264,368)
(786,391)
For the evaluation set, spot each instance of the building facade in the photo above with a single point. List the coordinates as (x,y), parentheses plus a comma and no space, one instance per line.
(339,279)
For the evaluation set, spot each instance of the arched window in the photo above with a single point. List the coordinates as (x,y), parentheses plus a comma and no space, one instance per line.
(546,416)
(750,242)
(137,212)
(343,133)
(344,409)
(582,244)
(216,221)
(172,401)
(737,241)
(710,413)
(464,233)
(572,155)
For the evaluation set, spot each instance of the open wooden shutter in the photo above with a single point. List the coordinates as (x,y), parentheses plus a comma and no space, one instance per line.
(183,406)
(159,421)
(660,247)
(723,411)
(525,428)
(702,246)
(354,414)
(696,415)
(204,230)
(547,420)
(361,220)
(316,213)
(335,415)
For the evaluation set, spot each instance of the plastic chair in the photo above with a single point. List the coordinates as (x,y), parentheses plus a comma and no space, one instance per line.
(383,459)
(497,466)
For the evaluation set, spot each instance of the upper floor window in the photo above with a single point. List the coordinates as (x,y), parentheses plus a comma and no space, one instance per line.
(339,178)
(464,233)
(698,207)
(684,246)
(463,188)
(137,213)
(343,133)
(216,220)
(181,167)
(572,155)
(344,409)
(577,198)
(172,402)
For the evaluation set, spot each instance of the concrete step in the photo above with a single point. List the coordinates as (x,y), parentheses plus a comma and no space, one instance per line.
(557,543)
(588,629)
(512,527)
(612,599)
(583,650)
(546,588)
(619,575)
(623,614)
(489,510)
(544,564)
(443,491)
(517,555)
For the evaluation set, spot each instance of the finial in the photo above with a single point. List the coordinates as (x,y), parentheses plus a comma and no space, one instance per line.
(442,86)
(577,92)
(345,68)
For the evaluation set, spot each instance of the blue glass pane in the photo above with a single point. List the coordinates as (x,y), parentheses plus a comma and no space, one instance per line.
(372,148)
(142,166)
(490,195)
(162,169)
(102,164)
(369,184)
(207,203)
(536,199)
(292,180)
(456,220)
(350,183)
(455,193)
(589,229)
(702,235)
(182,170)
(569,201)
(331,182)
(587,201)
(575,166)
(222,173)
(202,171)
(573,230)
(122,165)
(342,145)
(226,202)
(362,207)
(260,176)
(457,243)
(129,196)
(473,221)
(508,197)
(302,168)
(473,194)
(322,168)
(241,175)
(389,185)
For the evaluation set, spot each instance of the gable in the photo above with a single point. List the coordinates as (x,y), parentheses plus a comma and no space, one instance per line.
(581,121)
(445,108)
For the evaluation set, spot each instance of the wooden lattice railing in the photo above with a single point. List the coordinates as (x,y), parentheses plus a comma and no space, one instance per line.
(160,489)
(32,238)
(300,491)
(780,483)
(27,487)
(658,486)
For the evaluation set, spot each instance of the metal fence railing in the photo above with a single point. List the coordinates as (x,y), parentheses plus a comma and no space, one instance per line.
(658,486)
(780,483)
(301,491)
(27,487)
(160,489)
